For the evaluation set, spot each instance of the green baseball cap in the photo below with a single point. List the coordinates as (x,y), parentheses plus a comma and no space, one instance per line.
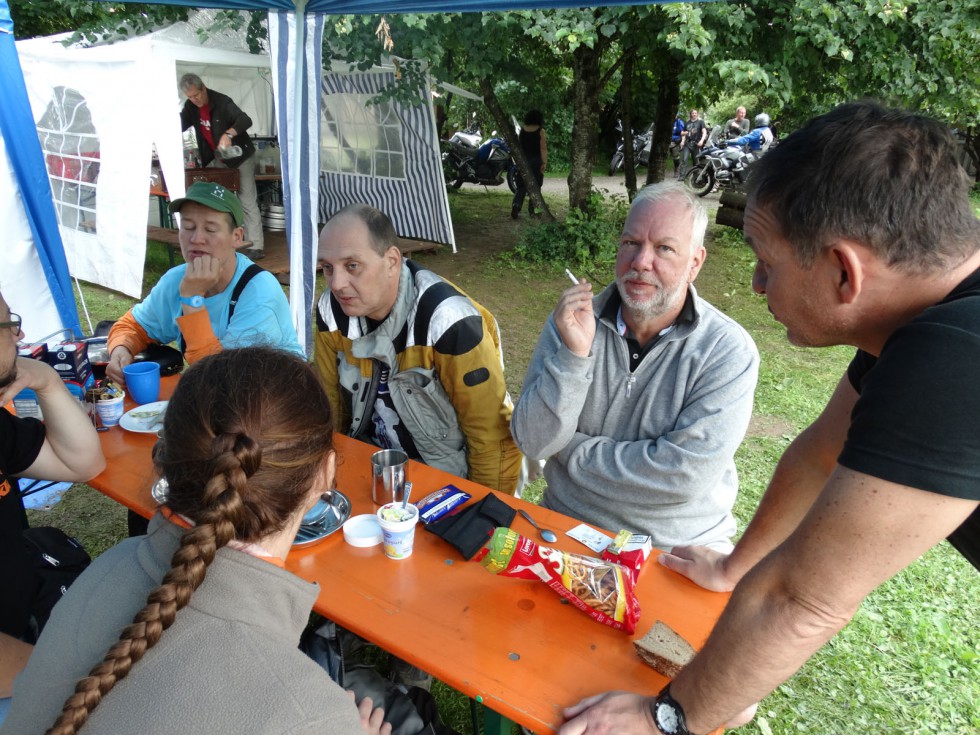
(213,196)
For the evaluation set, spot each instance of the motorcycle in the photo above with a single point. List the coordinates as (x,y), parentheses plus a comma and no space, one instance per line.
(642,143)
(466,158)
(728,167)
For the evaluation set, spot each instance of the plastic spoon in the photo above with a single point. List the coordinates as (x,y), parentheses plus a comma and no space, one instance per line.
(546,534)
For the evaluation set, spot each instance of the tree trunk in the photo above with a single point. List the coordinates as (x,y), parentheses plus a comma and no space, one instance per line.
(523,167)
(629,155)
(585,70)
(668,100)
(730,216)
(734,199)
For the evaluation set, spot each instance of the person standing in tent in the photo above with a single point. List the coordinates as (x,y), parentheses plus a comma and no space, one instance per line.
(535,149)
(220,126)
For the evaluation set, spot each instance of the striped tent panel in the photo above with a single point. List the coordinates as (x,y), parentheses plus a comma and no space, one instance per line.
(296,44)
(417,204)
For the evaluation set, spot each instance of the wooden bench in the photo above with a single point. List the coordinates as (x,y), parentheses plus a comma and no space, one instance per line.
(168,236)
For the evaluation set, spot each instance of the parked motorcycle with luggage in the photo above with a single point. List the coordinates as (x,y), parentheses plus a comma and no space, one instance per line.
(642,143)
(726,167)
(729,166)
(467,158)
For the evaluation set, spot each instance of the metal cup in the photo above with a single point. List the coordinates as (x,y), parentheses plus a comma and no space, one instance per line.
(389,471)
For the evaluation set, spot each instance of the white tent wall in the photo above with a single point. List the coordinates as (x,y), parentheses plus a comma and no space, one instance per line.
(105,237)
(22,274)
(130,91)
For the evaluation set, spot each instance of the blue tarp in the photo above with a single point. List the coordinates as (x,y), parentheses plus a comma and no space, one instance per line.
(24,152)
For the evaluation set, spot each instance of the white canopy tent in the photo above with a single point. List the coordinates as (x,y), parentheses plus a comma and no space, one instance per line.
(102,110)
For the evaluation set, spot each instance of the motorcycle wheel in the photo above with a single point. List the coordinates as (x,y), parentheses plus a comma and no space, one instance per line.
(453,179)
(616,163)
(700,179)
(512,179)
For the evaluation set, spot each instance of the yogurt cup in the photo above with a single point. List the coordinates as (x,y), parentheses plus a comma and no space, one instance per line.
(398,529)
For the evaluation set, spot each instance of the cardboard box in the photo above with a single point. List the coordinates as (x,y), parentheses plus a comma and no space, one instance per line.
(70,361)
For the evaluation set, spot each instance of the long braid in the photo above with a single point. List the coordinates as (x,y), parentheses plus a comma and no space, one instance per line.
(238,462)
(222,500)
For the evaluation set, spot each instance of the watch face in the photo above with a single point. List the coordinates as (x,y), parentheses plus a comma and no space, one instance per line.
(667,719)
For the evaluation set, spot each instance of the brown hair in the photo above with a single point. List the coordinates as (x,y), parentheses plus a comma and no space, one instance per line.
(887,178)
(245,436)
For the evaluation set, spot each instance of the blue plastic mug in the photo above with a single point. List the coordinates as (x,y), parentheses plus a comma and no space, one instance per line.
(143,381)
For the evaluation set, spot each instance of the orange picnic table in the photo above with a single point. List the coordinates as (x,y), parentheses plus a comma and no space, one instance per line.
(511,644)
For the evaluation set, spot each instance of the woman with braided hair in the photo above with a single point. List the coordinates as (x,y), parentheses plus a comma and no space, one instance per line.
(194,628)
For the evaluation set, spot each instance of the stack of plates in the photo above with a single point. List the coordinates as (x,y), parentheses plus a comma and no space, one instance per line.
(273,217)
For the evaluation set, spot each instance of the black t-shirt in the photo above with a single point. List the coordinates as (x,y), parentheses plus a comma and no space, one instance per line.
(694,132)
(531,145)
(20,443)
(916,421)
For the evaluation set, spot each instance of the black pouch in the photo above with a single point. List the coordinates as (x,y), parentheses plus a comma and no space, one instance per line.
(57,560)
(472,527)
(170,360)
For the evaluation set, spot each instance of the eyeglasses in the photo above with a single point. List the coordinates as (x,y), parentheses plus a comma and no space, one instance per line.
(13,324)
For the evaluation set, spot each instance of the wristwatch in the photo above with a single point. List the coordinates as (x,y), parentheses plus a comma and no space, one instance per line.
(196,301)
(668,714)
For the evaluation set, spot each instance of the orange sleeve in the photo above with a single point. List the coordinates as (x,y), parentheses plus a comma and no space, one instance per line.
(199,339)
(128,333)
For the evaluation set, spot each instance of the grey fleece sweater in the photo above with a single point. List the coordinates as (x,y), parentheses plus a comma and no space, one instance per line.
(649,451)
(229,664)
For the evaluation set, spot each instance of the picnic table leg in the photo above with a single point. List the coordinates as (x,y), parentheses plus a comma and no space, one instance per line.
(495,723)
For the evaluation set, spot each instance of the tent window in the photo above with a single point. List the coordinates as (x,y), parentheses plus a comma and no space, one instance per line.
(70,144)
(361,138)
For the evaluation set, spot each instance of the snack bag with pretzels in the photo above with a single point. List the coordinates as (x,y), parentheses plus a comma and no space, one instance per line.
(601,589)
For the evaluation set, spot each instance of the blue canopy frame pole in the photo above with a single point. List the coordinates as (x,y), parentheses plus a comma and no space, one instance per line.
(24,151)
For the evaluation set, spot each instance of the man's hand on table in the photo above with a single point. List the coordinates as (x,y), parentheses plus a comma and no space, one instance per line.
(120,358)
(372,718)
(703,566)
(611,713)
(624,713)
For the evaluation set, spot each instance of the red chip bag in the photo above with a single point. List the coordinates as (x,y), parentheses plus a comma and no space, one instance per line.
(601,589)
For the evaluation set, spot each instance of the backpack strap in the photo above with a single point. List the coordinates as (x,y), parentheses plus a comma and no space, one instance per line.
(251,272)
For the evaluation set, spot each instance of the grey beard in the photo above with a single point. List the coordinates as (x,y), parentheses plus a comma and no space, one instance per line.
(662,302)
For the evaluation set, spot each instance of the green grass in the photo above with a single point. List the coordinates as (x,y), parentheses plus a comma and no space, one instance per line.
(909,663)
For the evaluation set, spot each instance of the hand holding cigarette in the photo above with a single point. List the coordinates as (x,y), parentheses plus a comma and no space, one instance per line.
(574,318)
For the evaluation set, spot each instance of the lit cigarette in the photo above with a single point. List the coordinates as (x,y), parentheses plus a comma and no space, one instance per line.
(572,276)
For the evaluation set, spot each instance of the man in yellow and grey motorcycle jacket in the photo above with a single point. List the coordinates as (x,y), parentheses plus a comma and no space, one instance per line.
(409,361)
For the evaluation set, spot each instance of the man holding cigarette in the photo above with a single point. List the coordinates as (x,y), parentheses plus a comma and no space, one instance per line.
(410,362)
(639,397)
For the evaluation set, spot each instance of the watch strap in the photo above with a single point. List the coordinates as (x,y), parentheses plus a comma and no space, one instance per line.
(194,301)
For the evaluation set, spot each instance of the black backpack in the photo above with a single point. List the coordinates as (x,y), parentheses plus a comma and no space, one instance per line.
(57,559)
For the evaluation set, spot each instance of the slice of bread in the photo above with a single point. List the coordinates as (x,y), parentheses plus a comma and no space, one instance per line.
(664,649)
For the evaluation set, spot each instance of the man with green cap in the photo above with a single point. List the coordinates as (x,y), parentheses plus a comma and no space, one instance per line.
(218,298)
